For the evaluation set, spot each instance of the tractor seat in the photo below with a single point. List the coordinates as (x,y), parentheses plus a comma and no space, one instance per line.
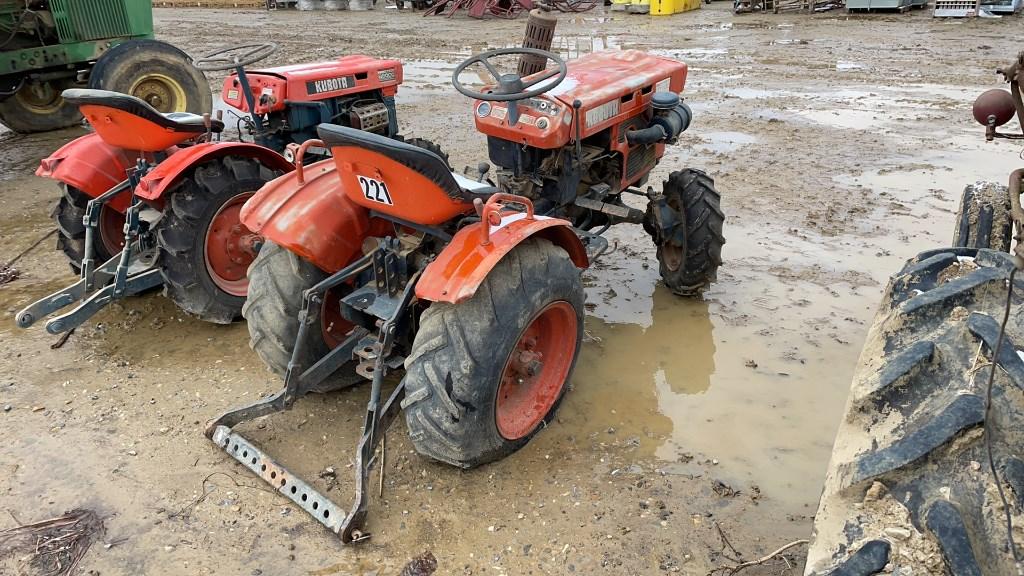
(421,160)
(128,122)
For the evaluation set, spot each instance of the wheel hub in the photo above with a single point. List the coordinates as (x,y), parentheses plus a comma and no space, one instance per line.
(536,371)
(230,247)
(40,97)
(160,92)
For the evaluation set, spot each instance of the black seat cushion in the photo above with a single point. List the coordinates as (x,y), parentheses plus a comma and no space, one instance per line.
(423,161)
(176,121)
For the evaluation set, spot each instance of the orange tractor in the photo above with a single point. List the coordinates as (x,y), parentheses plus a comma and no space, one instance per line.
(153,199)
(383,259)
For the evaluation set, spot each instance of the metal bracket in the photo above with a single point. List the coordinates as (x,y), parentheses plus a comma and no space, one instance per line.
(298,383)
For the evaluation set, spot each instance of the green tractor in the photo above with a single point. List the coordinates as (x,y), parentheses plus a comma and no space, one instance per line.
(47,46)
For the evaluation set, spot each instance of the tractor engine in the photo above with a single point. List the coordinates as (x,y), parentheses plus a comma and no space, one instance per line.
(353,91)
(576,148)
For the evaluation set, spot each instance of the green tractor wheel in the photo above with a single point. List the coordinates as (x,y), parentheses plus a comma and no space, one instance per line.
(38,107)
(156,72)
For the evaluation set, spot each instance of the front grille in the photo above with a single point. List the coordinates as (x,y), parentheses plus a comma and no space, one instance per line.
(640,158)
(83,20)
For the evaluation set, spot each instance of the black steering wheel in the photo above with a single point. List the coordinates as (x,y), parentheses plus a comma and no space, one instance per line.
(231,58)
(511,86)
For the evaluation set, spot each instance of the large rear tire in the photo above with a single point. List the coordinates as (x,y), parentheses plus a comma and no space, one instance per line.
(909,482)
(204,249)
(156,72)
(983,218)
(68,215)
(486,374)
(277,280)
(39,107)
(689,232)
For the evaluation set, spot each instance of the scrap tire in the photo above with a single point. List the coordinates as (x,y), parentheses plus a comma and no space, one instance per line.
(983,218)
(181,234)
(909,482)
(67,215)
(156,72)
(689,255)
(461,352)
(22,115)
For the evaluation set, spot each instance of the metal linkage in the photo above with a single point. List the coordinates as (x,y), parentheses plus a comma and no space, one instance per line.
(299,382)
(129,272)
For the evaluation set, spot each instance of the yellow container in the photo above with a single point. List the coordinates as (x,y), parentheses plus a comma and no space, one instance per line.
(663,7)
(687,5)
(639,7)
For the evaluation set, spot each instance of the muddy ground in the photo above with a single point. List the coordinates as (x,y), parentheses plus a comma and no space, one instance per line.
(840,146)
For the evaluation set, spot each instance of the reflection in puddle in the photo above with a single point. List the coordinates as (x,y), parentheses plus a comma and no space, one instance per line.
(724,142)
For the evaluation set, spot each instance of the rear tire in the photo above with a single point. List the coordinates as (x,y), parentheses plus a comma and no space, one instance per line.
(909,481)
(277,280)
(690,251)
(460,355)
(68,215)
(983,218)
(183,230)
(156,72)
(39,107)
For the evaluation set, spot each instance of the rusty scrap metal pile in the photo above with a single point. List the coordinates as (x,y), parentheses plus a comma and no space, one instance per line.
(505,8)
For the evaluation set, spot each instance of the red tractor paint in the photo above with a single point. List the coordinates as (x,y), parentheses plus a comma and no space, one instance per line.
(612,87)
(129,131)
(157,181)
(536,371)
(315,220)
(475,250)
(92,166)
(313,82)
(230,247)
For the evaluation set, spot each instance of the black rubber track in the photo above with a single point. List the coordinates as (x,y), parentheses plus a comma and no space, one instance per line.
(909,467)
(693,193)
(453,370)
(983,218)
(67,215)
(181,234)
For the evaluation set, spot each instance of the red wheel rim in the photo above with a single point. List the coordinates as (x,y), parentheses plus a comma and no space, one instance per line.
(536,370)
(111,229)
(333,325)
(230,247)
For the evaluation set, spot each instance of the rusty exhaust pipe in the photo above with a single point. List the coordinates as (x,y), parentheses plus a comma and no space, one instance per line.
(540,32)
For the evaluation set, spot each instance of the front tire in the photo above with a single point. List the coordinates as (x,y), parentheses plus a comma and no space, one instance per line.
(686,226)
(983,218)
(39,107)
(204,249)
(486,374)
(156,72)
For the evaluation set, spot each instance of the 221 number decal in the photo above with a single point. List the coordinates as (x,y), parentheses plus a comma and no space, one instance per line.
(375,190)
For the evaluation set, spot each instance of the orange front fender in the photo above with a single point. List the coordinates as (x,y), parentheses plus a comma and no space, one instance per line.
(461,267)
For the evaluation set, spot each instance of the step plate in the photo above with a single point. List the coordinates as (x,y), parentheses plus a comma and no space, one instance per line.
(316,504)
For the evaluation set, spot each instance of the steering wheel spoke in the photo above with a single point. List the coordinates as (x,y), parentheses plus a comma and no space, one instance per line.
(547,75)
(510,86)
(229,58)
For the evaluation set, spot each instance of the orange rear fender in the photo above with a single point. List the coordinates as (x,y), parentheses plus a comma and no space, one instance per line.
(92,166)
(311,216)
(463,265)
(169,172)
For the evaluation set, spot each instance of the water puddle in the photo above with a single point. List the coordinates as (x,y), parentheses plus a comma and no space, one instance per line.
(724,142)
